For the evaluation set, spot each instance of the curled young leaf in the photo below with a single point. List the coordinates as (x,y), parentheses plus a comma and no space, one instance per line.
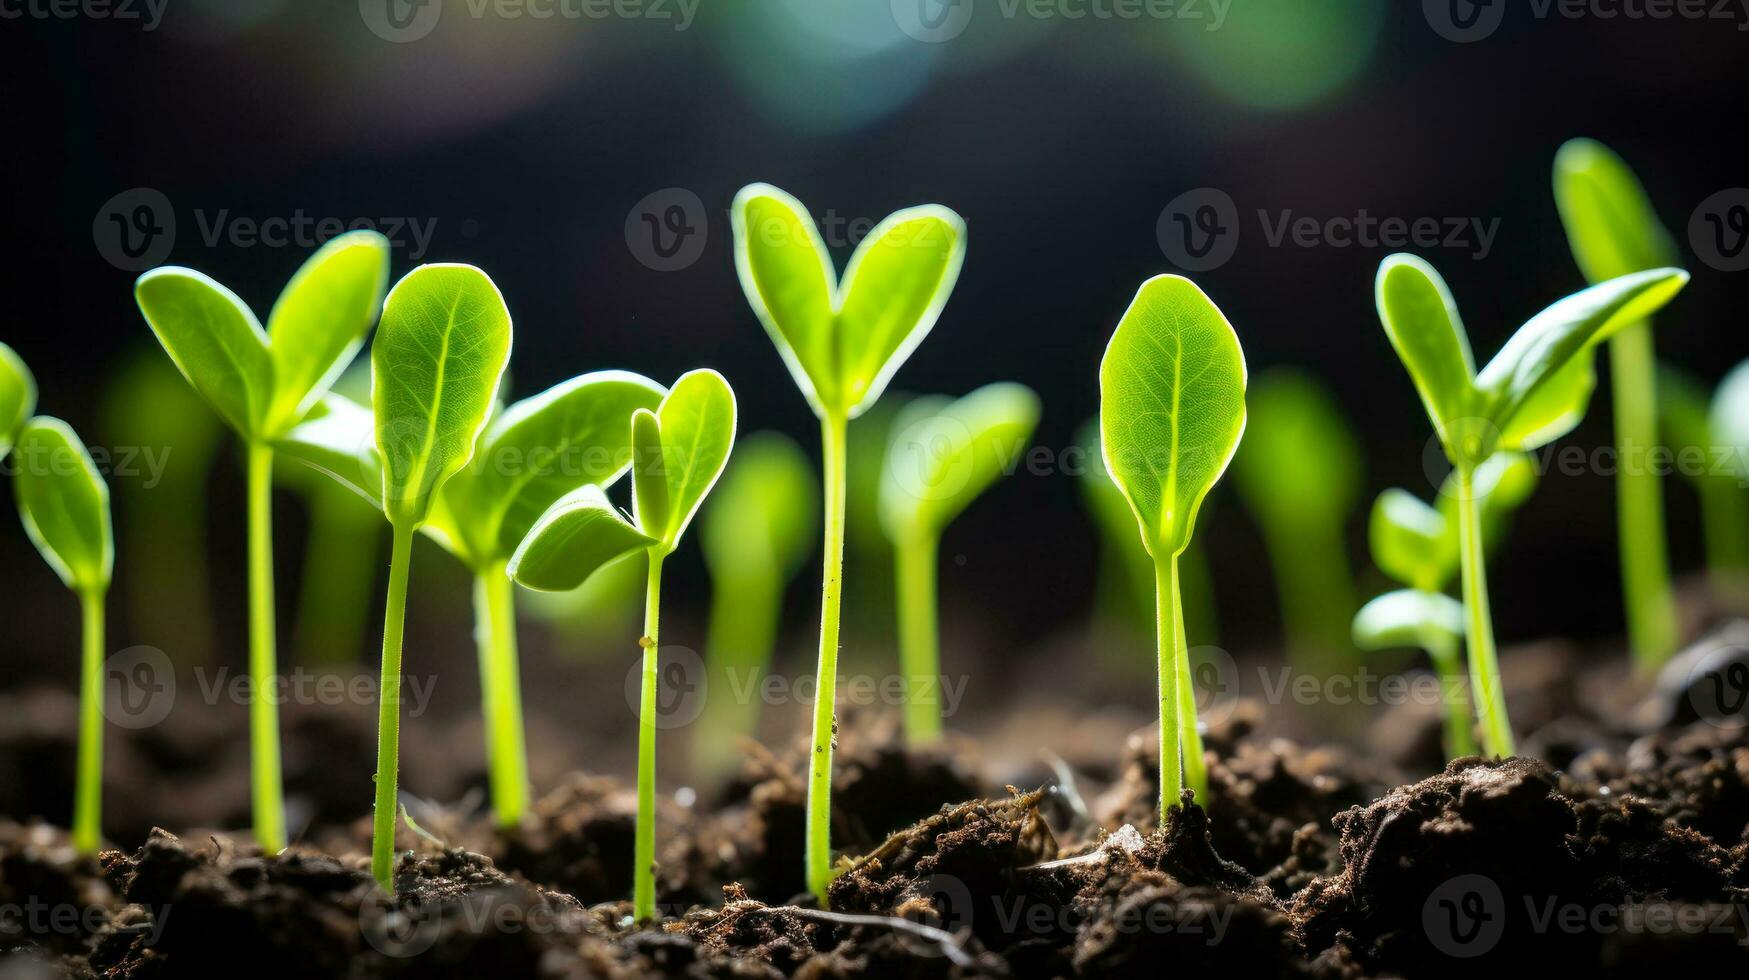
(650,505)
(1172,407)
(215,341)
(1421,319)
(679,451)
(436,363)
(17,397)
(64,504)
(945,453)
(578,535)
(1610,223)
(320,319)
(764,514)
(1410,618)
(1409,540)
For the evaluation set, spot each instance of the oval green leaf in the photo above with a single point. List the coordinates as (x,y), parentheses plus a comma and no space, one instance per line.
(1171,407)
(763,518)
(320,319)
(1610,223)
(1408,539)
(694,430)
(215,341)
(578,535)
(787,275)
(1421,319)
(64,504)
(17,397)
(1409,618)
(945,453)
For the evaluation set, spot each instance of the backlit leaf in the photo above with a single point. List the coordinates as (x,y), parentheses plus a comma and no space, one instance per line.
(215,341)
(578,535)
(320,320)
(17,397)
(945,453)
(64,504)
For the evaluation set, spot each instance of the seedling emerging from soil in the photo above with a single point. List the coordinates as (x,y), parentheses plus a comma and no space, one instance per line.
(1418,546)
(1533,392)
(678,452)
(1171,414)
(762,521)
(64,504)
(262,383)
(944,453)
(17,397)
(1716,433)
(1613,231)
(435,366)
(843,339)
(1299,473)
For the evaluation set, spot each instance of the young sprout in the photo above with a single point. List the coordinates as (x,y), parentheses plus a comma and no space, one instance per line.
(1693,425)
(17,397)
(64,504)
(842,339)
(435,366)
(262,383)
(678,452)
(762,521)
(1299,473)
(1533,392)
(1614,231)
(944,454)
(1418,546)
(1171,414)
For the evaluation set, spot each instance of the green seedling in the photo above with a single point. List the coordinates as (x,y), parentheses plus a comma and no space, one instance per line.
(944,453)
(64,504)
(17,397)
(762,521)
(262,383)
(678,452)
(1171,414)
(1418,545)
(1613,231)
(1534,391)
(1716,434)
(1299,473)
(843,340)
(435,366)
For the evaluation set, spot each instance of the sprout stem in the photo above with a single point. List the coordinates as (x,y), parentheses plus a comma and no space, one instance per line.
(1196,771)
(267,793)
(382,845)
(501,692)
(1651,606)
(833,431)
(919,639)
(743,631)
(1484,662)
(644,856)
(1460,740)
(88,791)
(1171,703)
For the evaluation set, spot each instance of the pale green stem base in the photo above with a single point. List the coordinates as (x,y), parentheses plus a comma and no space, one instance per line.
(745,612)
(382,844)
(501,693)
(1485,684)
(88,789)
(644,856)
(914,569)
(1181,756)
(267,791)
(1460,739)
(1651,604)
(819,829)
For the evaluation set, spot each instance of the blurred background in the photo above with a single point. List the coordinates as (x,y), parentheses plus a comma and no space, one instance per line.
(585,154)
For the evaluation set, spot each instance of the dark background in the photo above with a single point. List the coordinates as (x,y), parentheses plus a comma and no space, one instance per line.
(528,141)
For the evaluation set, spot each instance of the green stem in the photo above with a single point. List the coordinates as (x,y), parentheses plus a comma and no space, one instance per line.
(833,432)
(644,857)
(745,611)
(1459,739)
(267,793)
(88,790)
(1166,618)
(340,564)
(914,572)
(1196,590)
(382,845)
(501,692)
(1651,605)
(1484,662)
(1724,512)
(1196,771)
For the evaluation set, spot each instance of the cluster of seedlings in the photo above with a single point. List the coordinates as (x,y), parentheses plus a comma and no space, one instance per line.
(518,493)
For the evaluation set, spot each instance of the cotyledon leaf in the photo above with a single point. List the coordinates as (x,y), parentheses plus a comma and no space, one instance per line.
(1421,319)
(320,319)
(943,455)
(695,429)
(215,341)
(64,504)
(1610,222)
(578,535)
(17,396)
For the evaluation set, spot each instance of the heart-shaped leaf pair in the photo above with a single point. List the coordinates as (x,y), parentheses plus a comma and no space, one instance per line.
(64,504)
(1537,387)
(764,514)
(1432,621)
(1417,544)
(17,397)
(1171,408)
(678,452)
(945,452)
(262,382)
(844,339)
